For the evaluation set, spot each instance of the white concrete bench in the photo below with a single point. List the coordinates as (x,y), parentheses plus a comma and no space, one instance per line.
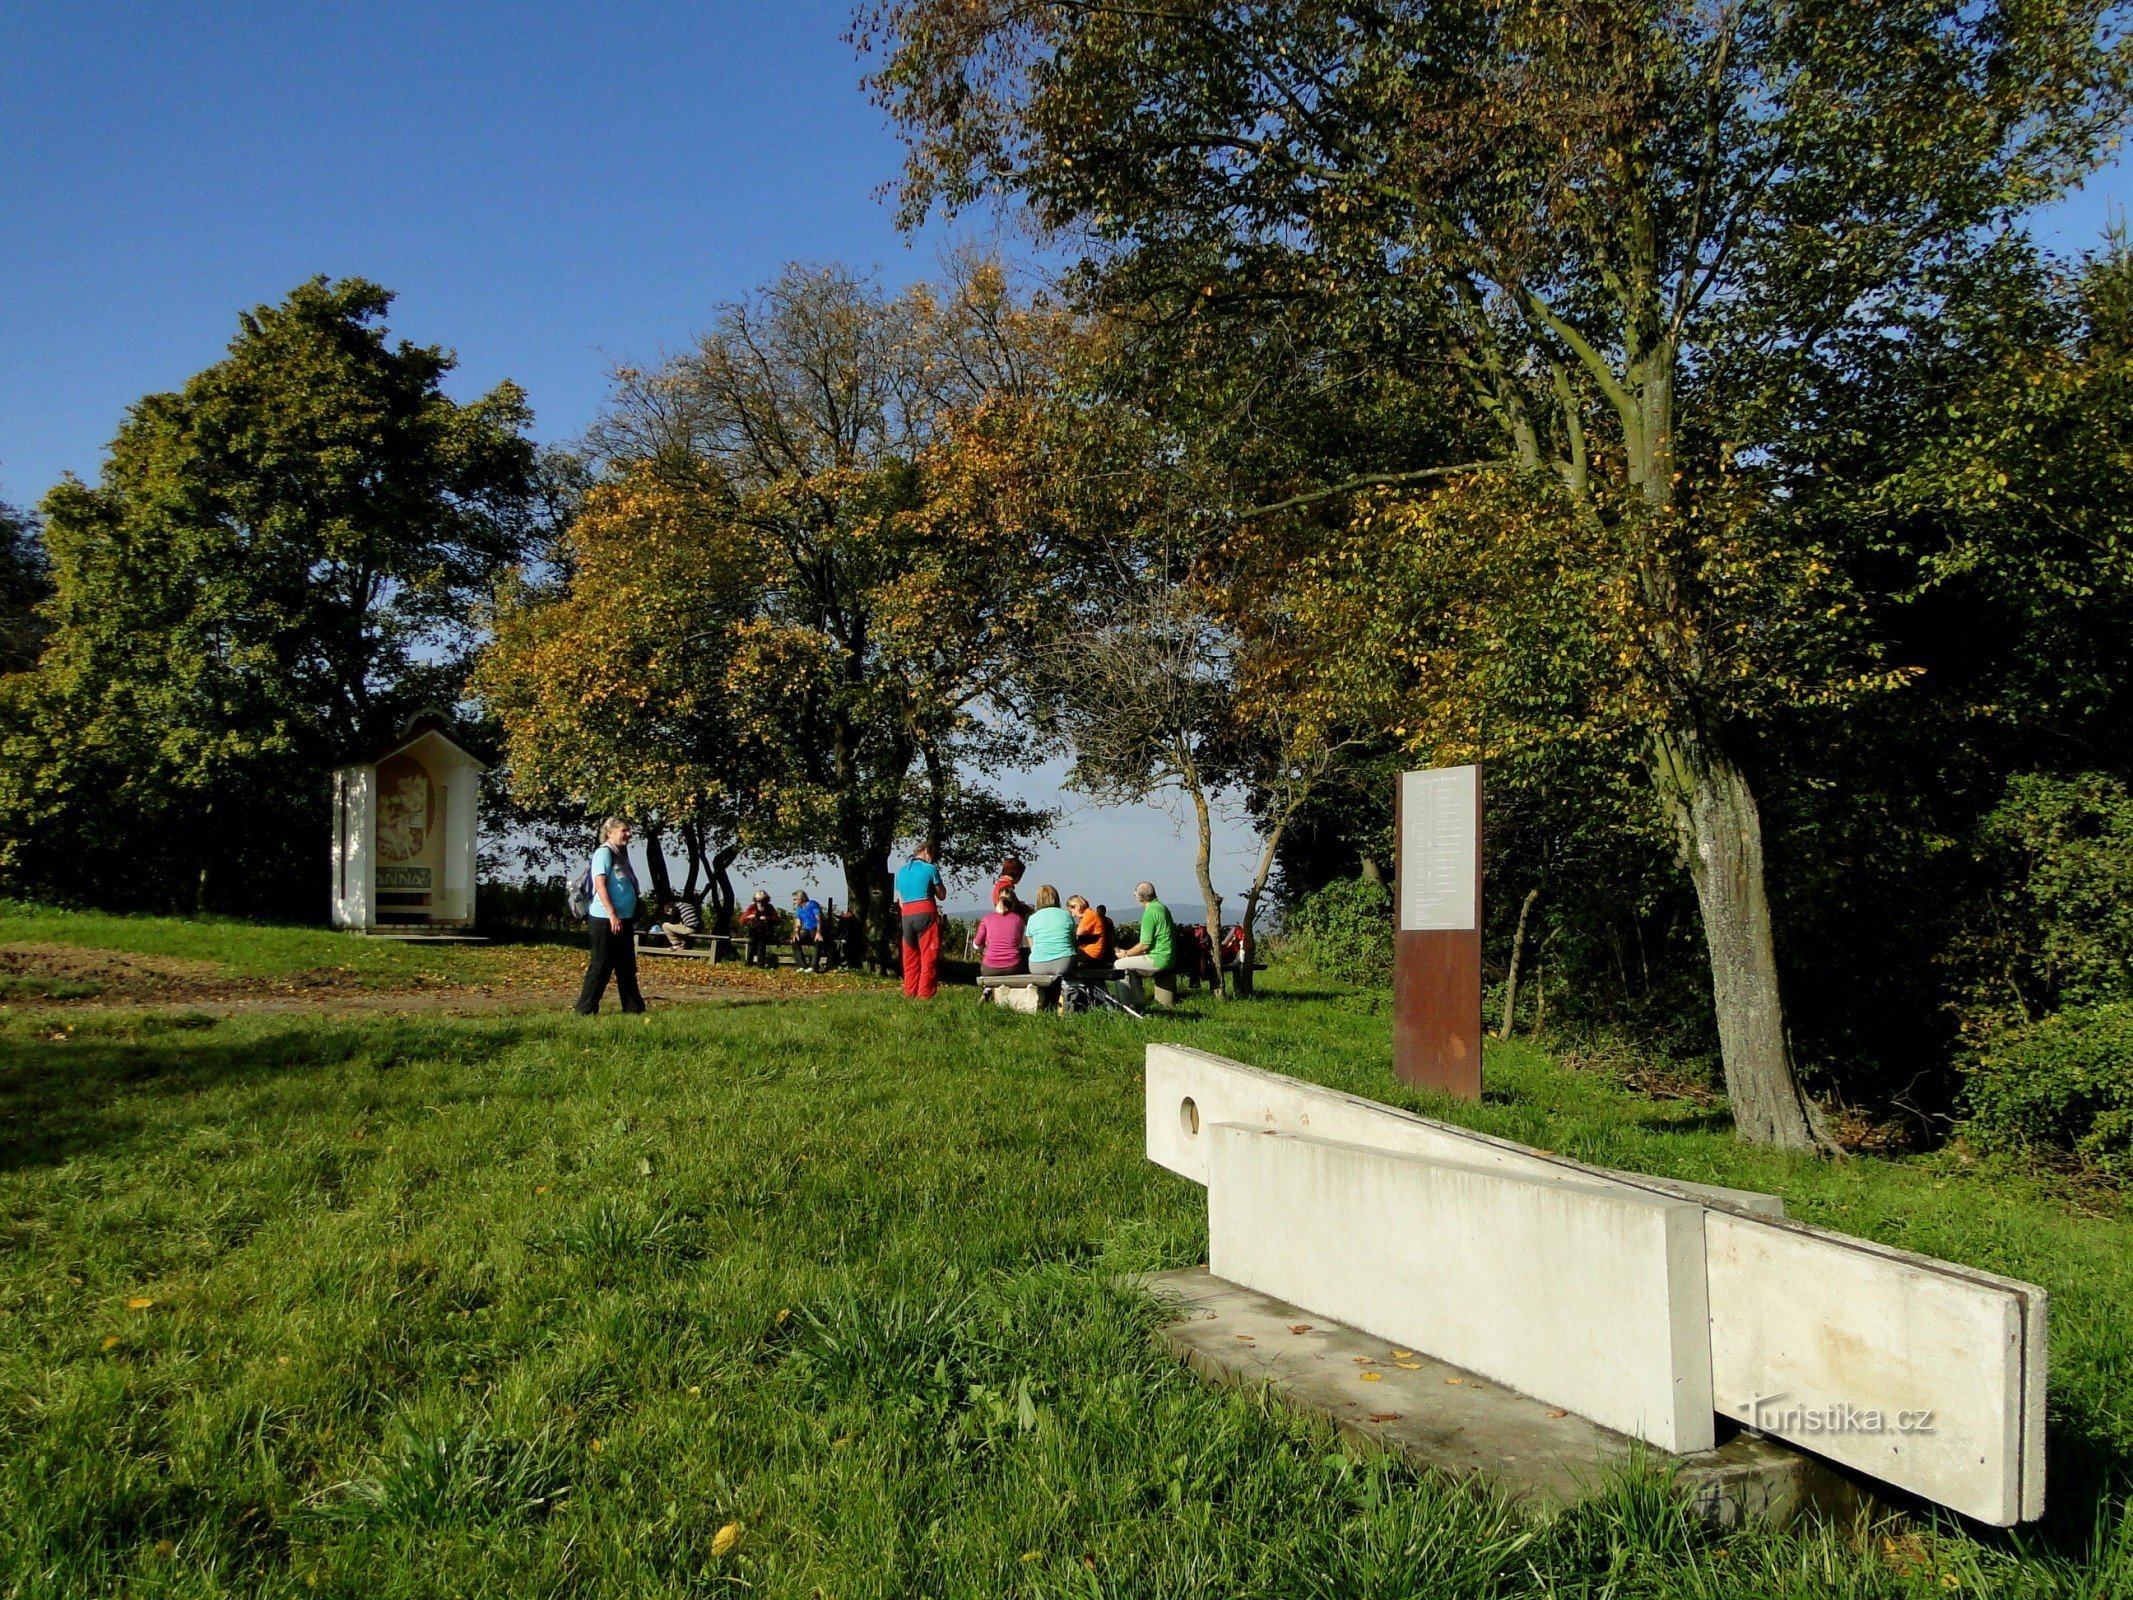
(1018,991)
(1927,1374)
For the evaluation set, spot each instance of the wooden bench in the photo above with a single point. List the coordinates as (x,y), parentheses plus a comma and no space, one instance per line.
(715,946)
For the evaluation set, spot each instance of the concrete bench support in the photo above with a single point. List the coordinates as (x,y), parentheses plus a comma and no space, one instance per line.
(1586,1295)
(1017,991)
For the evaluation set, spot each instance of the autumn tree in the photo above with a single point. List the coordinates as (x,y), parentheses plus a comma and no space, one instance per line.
(1634,238)
(643,724)
(1141,694)
(854,560)
(280,561)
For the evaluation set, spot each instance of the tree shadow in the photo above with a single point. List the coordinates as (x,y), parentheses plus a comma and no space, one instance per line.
(92,1093)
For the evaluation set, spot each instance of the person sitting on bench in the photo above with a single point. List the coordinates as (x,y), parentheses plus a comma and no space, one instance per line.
(1092,940)
(759,921)
(1051,937)
(680,920)
(1156,950)
(806,932)
(998,937)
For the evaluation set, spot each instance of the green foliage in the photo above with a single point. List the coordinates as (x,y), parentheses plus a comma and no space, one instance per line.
(25,583)
(2063,924)
(278,564)
(1343,931)
(2063,1085)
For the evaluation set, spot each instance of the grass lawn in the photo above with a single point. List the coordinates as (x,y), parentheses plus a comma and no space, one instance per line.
(804,1293)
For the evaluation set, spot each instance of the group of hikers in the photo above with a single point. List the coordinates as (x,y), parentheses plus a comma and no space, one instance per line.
(1048,938)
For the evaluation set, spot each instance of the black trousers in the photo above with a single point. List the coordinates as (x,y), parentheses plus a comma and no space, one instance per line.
(614,953)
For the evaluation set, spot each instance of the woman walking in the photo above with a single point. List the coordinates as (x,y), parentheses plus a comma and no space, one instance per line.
(609,915)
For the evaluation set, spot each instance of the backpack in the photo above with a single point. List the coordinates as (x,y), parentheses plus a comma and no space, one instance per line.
(579,895)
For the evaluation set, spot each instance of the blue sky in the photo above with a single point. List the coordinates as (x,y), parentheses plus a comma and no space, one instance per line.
(551,188)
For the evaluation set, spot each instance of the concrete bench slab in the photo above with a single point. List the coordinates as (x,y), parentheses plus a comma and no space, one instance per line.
(1186,1088)
(1442,1418)
(1923,1373)
(1586,1295)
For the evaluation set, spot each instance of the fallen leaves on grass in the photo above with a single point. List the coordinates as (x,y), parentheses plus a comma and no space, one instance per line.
(723,1541)
(139,1302)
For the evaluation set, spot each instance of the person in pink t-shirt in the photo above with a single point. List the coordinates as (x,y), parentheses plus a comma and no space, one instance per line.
(998,938)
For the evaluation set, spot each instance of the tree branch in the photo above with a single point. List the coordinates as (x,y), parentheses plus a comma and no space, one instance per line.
(1368,480)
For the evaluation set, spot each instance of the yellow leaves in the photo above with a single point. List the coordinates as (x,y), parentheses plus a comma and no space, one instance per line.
(1372,1377)
(139,1302)
(110,1342)
(723,1541)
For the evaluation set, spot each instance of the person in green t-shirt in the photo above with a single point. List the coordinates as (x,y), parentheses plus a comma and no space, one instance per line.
(1157,948)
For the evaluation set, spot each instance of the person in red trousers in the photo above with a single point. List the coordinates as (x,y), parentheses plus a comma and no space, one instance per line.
(918,892)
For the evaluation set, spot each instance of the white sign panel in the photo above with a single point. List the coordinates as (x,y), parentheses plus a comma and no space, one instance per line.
(1438,861)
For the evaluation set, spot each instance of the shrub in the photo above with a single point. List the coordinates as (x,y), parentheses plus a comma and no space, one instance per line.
(1344,931)
(2065,1083)
(2061,929)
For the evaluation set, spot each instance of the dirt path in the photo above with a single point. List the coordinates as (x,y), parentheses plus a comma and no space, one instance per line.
(58,977)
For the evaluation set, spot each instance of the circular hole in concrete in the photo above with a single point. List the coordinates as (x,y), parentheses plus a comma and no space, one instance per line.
(1189,1117)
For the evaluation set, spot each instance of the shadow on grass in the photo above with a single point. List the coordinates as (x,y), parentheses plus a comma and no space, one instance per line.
(60,1100)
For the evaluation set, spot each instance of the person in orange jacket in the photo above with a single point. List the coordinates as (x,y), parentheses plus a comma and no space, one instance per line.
(1092,940)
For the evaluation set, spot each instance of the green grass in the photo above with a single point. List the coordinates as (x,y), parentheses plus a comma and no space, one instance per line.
(523,1305)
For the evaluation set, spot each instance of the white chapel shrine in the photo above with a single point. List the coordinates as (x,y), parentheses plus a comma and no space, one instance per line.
(404,821)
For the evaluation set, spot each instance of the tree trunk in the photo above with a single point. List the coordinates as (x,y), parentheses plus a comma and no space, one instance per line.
(936,795)
(1203,855)
(1248,949)
(655,861)
(1720,836)
(867,894)
(692,844)
(1518,951)
(721,888)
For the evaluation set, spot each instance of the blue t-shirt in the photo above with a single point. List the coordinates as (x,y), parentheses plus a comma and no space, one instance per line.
(1051,934)
(621,883)
(918,880)
(808,915)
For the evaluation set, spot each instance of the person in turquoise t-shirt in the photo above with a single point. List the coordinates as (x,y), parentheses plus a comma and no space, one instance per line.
(1157,948)
(1051,937)
(609,921)
(918,894)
